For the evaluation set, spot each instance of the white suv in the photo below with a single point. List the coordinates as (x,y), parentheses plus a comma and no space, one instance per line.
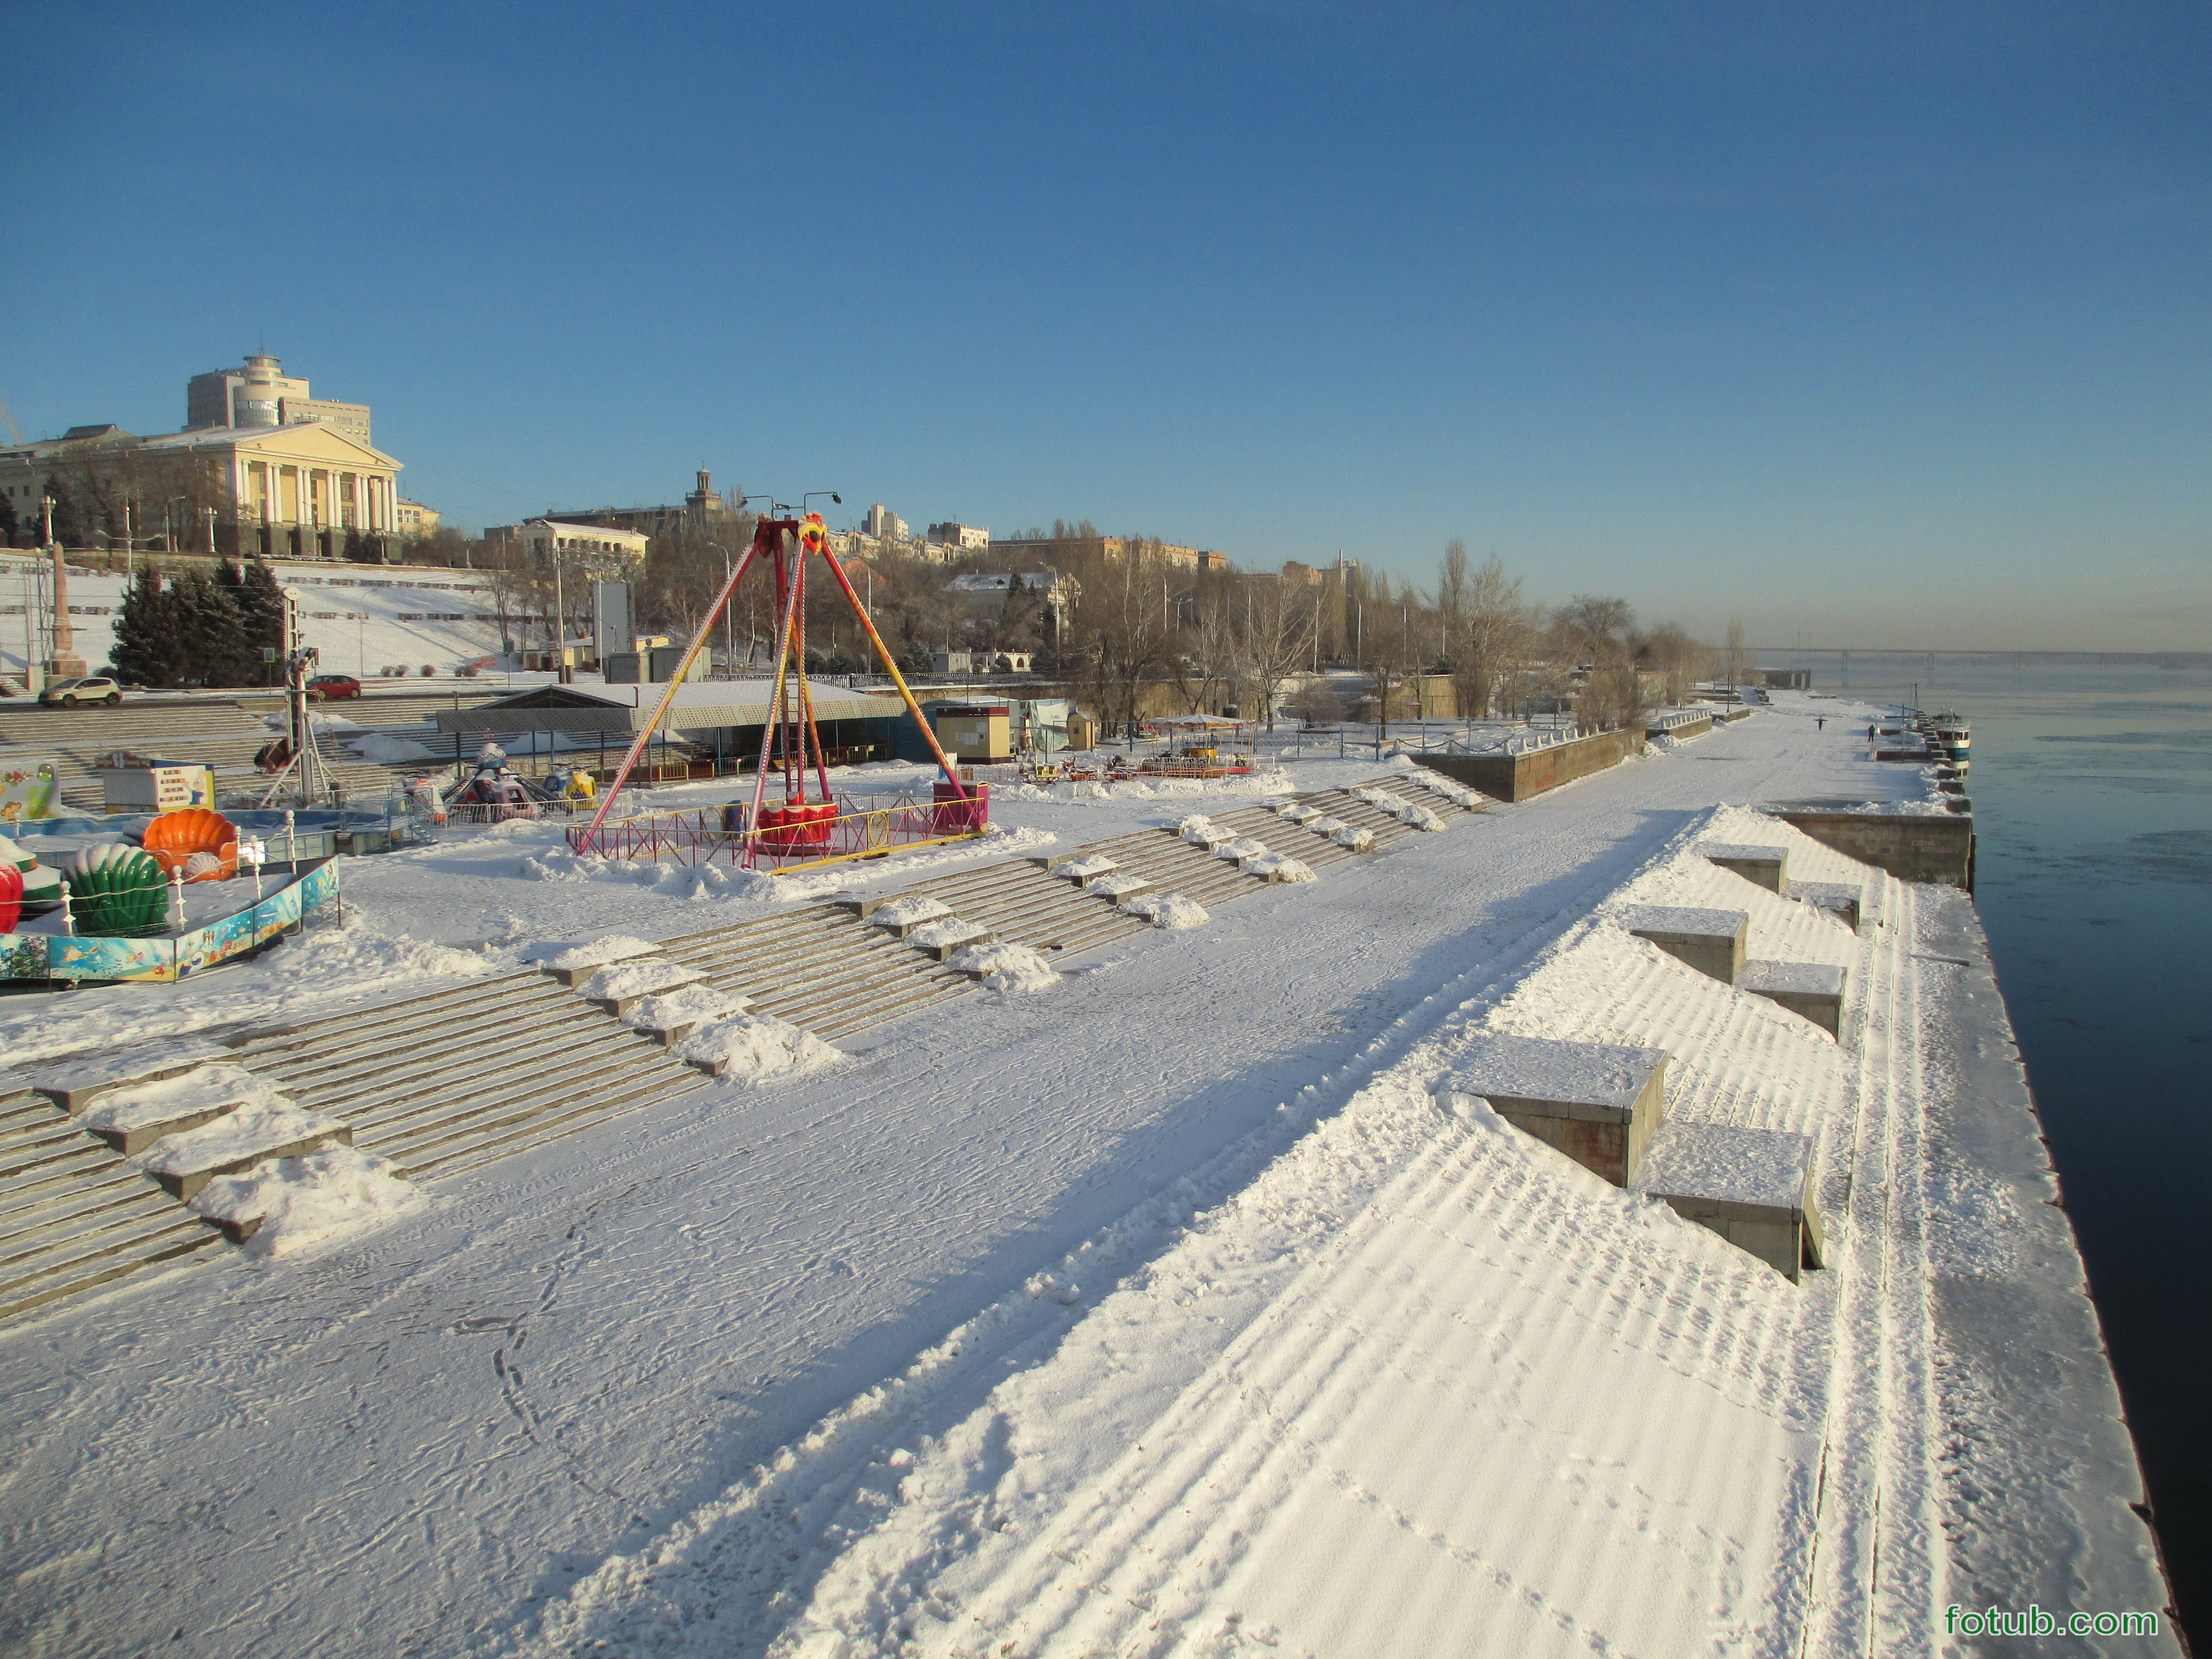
(95,687)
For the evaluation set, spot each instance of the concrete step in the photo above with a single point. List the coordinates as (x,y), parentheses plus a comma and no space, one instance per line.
(74,1217)
(81,1271)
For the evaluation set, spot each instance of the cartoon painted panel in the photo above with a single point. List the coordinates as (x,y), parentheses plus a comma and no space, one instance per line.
(29,790)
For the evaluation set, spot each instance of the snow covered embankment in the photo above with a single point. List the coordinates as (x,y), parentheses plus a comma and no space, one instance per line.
(1412,1375)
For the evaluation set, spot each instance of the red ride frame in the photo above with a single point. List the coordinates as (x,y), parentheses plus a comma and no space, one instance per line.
(796,730)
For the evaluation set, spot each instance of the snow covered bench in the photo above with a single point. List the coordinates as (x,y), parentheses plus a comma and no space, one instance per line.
(1768,867)
(1711,941)
(1811,989)
(1597,1103)
(1843,900)
(1753,1187)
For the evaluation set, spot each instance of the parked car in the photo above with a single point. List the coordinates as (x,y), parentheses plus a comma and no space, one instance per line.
(93,688)
(334,685)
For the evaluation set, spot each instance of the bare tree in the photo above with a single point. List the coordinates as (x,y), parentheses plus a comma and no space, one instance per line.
(1488,628)
(1277,640)
(1593,632)
(1737,661)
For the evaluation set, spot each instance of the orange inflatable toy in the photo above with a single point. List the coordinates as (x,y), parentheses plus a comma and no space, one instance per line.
(201,843)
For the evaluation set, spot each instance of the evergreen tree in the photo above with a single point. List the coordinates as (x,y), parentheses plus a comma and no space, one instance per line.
(213,632)
(260,607)
(148,640)
(252,591)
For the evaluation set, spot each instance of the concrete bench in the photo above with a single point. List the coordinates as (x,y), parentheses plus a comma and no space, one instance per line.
(1841,899)
(1766,866)
(1811,989)
(1711,941)
(1753,1187)
(1597,1103)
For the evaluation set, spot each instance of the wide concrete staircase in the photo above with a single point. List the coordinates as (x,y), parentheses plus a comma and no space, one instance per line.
(457,1079)
(448,1082)
(75,1215)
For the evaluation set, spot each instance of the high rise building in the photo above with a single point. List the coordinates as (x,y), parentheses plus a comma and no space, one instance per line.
(260,394)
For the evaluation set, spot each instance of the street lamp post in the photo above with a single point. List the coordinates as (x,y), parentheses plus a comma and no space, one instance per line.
(726,647)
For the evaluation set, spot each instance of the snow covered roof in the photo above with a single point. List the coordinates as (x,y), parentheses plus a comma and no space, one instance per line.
(698,706)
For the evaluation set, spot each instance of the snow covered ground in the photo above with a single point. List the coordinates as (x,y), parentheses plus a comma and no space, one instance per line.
(1159,1310)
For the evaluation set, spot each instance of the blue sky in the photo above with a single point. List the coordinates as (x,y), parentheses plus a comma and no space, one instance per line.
(1874,326)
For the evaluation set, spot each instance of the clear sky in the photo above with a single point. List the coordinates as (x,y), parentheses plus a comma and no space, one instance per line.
(1874,325)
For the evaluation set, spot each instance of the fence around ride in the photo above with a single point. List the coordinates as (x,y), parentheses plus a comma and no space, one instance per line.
(727,835)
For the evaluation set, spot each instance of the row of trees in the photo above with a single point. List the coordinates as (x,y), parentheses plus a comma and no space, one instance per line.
(195,629)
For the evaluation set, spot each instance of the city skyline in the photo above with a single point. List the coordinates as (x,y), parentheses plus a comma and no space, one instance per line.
(1880,329)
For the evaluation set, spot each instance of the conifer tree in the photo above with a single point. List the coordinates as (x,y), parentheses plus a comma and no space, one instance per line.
(260,603)
(213,632)
(149,644)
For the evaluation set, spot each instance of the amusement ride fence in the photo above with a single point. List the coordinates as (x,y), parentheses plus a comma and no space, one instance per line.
(711,835)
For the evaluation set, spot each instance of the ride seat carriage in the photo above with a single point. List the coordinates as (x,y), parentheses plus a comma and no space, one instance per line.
(201,844)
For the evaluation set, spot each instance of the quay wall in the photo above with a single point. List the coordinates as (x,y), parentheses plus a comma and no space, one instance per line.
(1516,777)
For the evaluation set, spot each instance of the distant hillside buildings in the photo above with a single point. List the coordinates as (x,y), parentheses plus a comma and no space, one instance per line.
(702,511)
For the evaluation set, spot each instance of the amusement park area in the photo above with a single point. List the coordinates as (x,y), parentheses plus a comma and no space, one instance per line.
(786,1165)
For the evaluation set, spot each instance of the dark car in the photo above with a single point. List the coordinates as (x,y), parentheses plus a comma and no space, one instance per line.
(334,685)
(93,688)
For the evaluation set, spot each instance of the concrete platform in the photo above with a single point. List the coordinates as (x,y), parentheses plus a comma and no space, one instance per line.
(75,1084)
(1753,1187)
(1711,941)
(1597,1103)
(1769,866)
(1813,990)
(131,1119)
(941,939)
(184,1163)
(1841,899)
(620,988)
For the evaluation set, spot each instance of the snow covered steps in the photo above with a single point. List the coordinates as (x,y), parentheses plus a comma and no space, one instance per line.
(75,1216)
(820,966)
(459,1079)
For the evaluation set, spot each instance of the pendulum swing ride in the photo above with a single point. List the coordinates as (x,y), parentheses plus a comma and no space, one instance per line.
(791,739)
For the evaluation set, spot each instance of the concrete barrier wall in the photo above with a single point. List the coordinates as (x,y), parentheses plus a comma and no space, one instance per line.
(1516,777)
(1910,847)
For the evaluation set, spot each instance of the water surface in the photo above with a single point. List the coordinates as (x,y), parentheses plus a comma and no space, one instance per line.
(2092,784)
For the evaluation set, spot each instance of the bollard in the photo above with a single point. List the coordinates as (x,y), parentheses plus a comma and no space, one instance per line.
(291,843)
(177,900)
(69,921)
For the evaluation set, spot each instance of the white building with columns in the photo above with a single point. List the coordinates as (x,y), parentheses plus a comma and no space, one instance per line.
(307,489)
